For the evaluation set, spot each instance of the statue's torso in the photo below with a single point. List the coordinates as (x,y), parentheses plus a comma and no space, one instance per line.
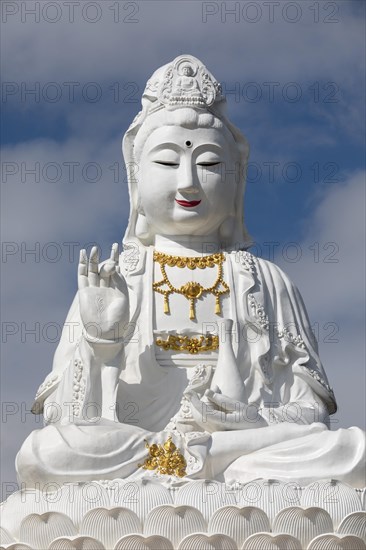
(177,322)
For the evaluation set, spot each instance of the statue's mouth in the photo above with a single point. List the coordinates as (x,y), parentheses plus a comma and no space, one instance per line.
(188,204)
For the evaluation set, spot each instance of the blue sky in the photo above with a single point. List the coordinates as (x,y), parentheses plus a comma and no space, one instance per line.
(294,77)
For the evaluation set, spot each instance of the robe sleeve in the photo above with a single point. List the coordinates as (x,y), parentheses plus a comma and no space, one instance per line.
(290,361)
(78,385)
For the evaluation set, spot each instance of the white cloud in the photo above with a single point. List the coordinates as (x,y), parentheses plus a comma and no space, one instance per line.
(331,277)
(42,50)
(37,288)
(46,185)
(105,52)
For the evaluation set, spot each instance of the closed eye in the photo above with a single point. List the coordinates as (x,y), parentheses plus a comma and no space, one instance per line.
(216,163)
(165,163)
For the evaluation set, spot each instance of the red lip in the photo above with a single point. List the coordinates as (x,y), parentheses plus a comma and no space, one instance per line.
(188,204)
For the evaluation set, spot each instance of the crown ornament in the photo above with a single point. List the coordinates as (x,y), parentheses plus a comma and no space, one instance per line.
(184,82)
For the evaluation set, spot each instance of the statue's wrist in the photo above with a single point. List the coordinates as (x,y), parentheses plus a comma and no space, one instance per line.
(103,349)
(98,341)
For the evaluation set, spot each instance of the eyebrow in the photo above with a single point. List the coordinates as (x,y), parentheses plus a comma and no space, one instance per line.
(167,145)
(215,148)
(177,148)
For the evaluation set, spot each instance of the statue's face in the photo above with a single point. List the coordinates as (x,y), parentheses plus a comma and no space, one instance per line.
(187,180)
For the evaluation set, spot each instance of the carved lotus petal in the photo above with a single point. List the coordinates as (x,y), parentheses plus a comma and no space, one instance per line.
(337,542)
(16,546)
(265,541)
(18,506)
(5,537)
(200,541)
(75,500)
(303,523)
(39,530)
(239,523)
(354,524)
(337,498)
(140,496)
(270,495)
(76,543)
(207,496)
(174,522)
(138,542)
(362,495)
(109,525)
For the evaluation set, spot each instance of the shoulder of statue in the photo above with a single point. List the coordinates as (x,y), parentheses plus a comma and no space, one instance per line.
(244,260)
(261,270)
(273,275)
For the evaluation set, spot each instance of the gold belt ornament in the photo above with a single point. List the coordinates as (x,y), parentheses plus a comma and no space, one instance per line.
(191,345)
(166,459)
(191,290)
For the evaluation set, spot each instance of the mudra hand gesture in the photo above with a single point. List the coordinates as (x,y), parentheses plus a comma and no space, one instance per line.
(103,297)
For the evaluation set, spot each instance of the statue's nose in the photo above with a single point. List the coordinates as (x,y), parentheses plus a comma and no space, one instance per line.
(187,182)
(187,187)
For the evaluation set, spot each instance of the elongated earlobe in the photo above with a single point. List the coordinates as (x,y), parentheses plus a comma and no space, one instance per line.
(142,227)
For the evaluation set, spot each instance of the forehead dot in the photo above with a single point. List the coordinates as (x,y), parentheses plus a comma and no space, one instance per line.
(188,143)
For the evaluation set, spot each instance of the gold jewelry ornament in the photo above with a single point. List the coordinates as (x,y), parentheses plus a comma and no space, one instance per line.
(191,290)
(166,459)
(191,345)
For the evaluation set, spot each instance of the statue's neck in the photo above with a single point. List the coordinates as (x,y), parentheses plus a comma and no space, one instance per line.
(188,245)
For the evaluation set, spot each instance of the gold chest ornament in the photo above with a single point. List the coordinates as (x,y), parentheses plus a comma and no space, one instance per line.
(191,290)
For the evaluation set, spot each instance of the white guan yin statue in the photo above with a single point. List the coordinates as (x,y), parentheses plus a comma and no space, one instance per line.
(185,356)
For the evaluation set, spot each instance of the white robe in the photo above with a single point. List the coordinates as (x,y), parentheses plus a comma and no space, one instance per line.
(88,437)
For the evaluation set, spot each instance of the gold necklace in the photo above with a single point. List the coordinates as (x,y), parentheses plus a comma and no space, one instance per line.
(191,290)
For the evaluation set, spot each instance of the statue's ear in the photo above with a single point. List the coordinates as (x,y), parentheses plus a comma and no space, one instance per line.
(142,227)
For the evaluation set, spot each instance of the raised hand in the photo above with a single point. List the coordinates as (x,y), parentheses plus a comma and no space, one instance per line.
(103,297)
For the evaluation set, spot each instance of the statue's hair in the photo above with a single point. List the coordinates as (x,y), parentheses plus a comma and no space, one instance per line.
(189,118)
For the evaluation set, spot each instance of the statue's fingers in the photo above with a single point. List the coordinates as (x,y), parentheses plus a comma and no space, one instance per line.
(94,259)
(114,253)
(197,406)
(118,281)
(93,267)
(105,272)
(107,269)
(222,401)
(83,269)
(116,273)
(83,263)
